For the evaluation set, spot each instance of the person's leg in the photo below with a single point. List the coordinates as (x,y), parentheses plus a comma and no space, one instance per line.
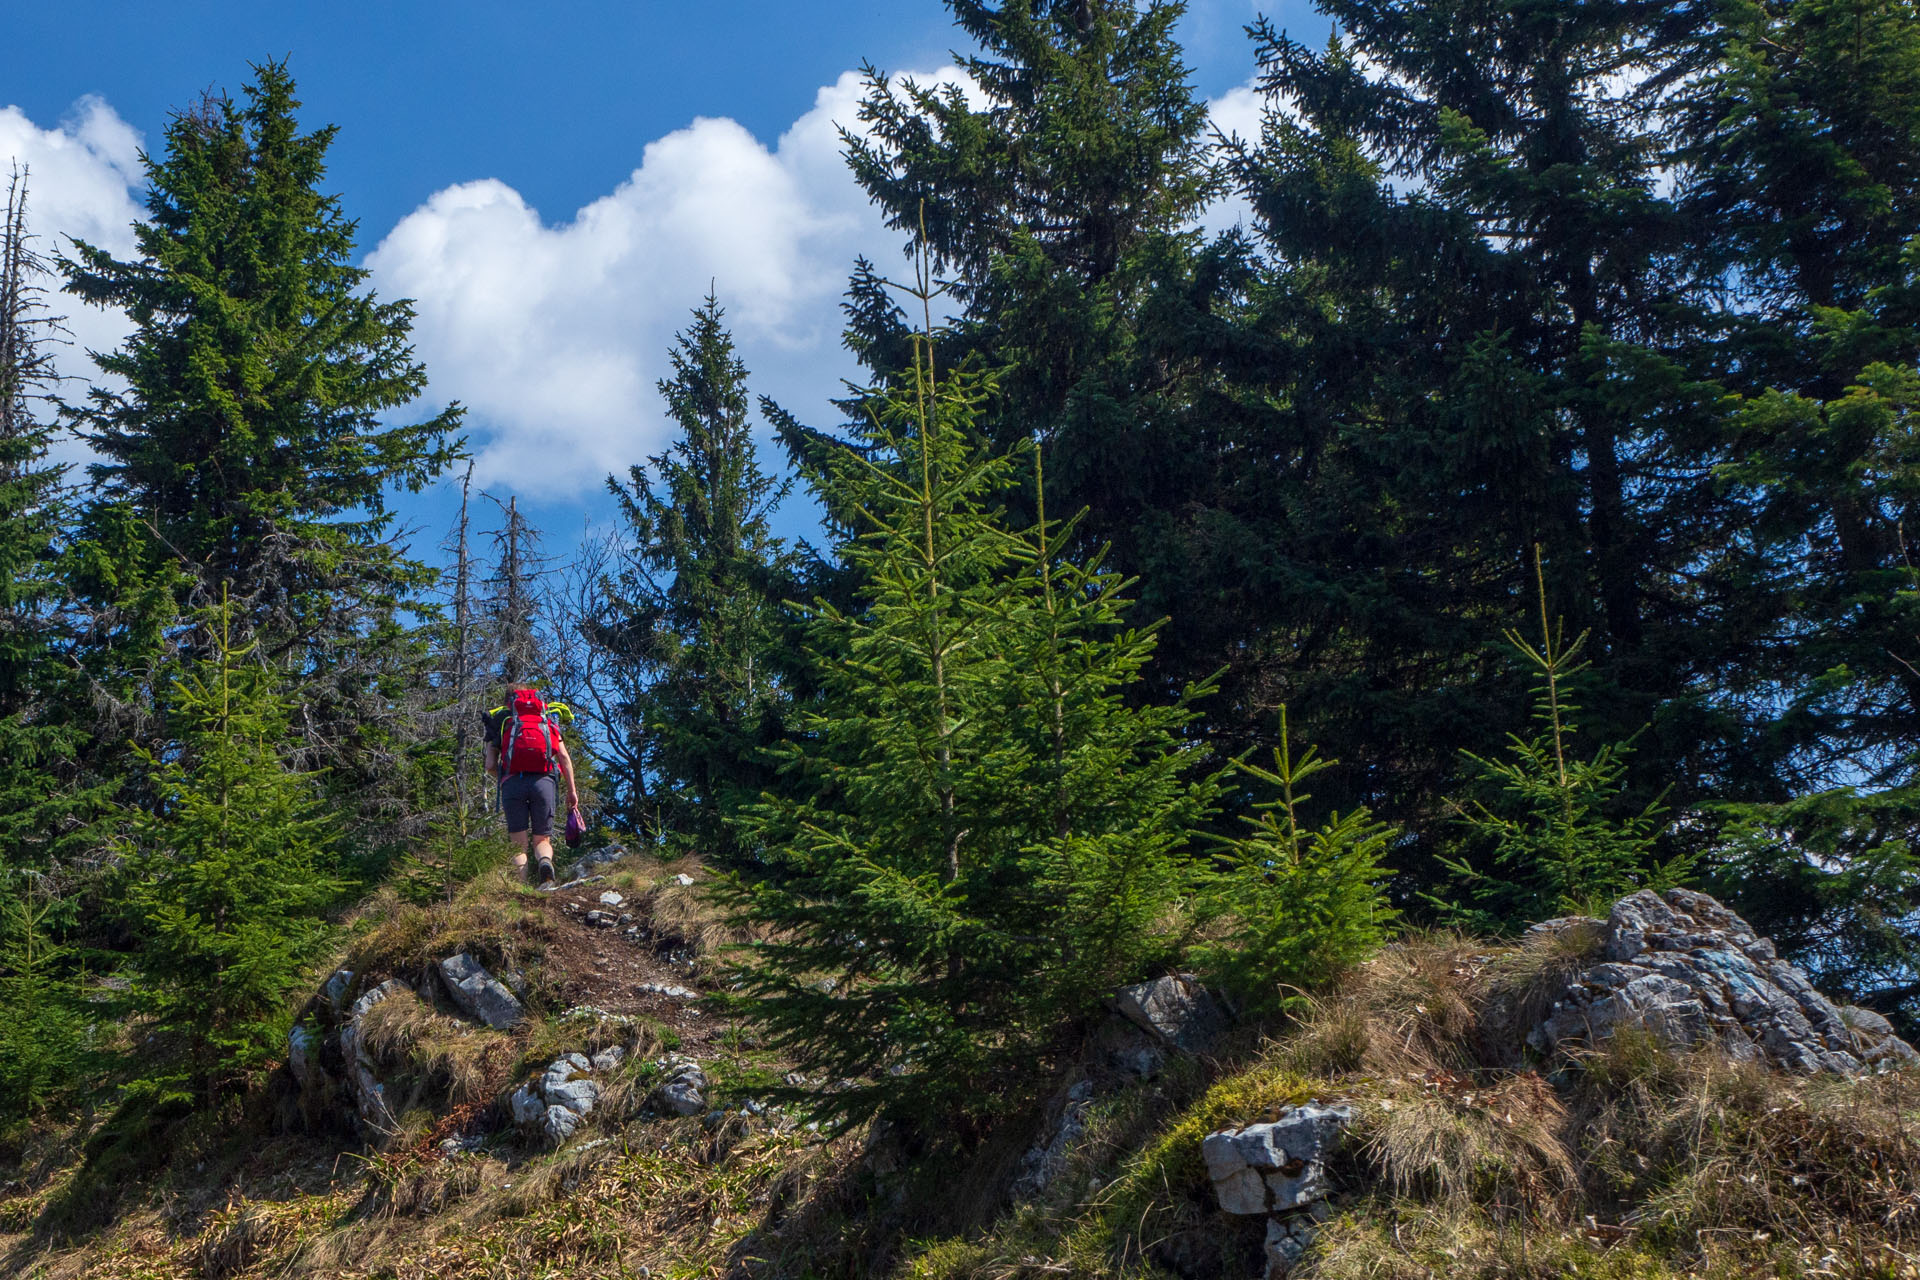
(513,800)
(540,805)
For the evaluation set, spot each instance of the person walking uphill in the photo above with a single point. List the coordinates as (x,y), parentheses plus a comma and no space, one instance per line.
(525,751)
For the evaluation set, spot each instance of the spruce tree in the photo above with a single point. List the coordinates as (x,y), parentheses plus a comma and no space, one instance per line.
(1296,904)
(45,800)
(244,436)
(43,1038)
(1548,822)
(228,874)
(1061,204)
(973,835)
(696,603)
(1481,191)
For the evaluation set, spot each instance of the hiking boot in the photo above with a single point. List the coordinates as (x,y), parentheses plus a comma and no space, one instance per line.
(545,875)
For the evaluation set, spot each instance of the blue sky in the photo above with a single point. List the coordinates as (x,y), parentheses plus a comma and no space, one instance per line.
(536,178)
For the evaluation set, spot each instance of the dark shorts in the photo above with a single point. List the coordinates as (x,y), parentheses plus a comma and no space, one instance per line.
(529,800)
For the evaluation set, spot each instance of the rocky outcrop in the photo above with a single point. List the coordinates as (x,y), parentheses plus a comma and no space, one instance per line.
(553,1107)
(369,1094)
(1687,969)
(479,994)
(1278,1169)
(1047,1158)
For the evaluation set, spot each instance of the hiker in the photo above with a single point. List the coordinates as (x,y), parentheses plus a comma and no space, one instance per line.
(524,751)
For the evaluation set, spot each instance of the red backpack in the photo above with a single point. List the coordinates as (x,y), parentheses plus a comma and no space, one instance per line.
(526,737)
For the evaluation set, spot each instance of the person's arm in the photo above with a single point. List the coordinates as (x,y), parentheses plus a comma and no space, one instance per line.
(566,767)
(493,762)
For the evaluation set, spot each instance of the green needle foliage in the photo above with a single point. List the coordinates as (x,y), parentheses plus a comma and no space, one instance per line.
(975,835)
(227,877)
(1545,820)
(697,604)
(1300,904)
(42,1037)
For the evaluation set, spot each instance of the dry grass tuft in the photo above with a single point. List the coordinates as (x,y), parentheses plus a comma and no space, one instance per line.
(1452,1140)
(1411,1010)
(441,1056)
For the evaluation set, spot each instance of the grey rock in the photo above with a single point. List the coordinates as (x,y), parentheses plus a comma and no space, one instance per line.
(527,1105)
(575,1095)
(363,1076)
(683,1090)
(303,1056)
(1176,1010)
(600,919)
(613,898)
(559,1124)
(609,1059)
(1286,1243)
(1684,967)
(668,989)
(336,987)
(1044,1160)
(684,880)
(1296,1191)
(1279,1165)
(480,994)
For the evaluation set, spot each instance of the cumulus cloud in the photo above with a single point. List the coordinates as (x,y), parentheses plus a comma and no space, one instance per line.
(85,182)
(554,335)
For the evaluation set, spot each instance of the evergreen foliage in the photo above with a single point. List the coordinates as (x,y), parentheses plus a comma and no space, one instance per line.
(696,600)
(1062,204)
(975,834)
(228,876)
(43,1036)
(46,805)
(1547,818)
(1299,904)
(244,446)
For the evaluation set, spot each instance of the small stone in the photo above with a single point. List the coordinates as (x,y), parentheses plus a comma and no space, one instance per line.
(667,989)
(684,880)
(527,1106)
(575,1095)
(600,920)
(559,1124)
(609,1059)
(612,898)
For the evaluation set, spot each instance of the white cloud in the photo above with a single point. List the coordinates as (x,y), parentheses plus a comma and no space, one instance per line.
(1235,113)
(554,335)
(85,181)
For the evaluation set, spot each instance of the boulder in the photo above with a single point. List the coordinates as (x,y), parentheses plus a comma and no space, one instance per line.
(553,1107)
(683,1090)
(1278,1166)
(1684,967)
(480,994)
(1175,1010)
(336,987)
